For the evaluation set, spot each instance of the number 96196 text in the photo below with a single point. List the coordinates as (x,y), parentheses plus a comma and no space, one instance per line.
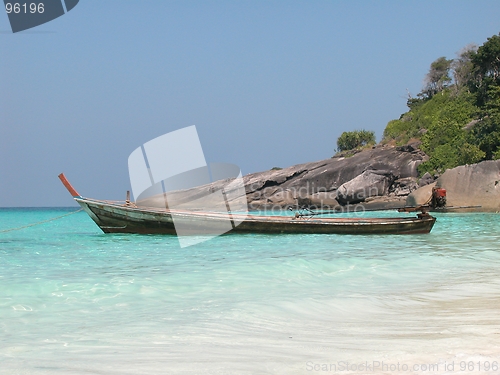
(24,8)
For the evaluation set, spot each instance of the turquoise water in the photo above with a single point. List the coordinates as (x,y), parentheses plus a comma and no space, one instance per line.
(76,301)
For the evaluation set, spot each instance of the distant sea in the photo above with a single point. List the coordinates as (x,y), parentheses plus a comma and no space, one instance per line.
(76,301)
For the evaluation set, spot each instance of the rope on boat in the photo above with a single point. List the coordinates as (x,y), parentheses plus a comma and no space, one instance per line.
(40,222)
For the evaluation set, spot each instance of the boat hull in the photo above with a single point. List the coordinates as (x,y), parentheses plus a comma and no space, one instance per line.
(115,218)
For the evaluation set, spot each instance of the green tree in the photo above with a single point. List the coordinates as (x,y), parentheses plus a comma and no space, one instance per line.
(486,133)
(487,59)
(355,139)
(486,68)
(438,77)
(462,66)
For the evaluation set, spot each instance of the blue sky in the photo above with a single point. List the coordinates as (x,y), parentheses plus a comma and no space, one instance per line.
(267,83)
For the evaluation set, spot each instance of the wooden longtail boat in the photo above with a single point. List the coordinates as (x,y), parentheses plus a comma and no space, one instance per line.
(127,218)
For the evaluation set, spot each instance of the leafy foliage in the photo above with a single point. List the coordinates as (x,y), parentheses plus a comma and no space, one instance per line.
(451,155)
(447,120)
(438,77)
(462,66)
(354,139)
(457,123)
(486,66)
(443,116)
(486,135)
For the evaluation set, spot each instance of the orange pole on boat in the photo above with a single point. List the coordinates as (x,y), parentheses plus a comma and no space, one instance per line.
(68,186)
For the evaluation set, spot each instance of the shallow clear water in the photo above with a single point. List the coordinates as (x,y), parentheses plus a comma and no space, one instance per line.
(74,300)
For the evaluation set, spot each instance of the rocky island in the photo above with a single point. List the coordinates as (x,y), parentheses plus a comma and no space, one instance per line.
(449,138)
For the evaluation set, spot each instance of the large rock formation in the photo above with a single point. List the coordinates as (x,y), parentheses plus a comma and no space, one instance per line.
(370,183)
(473,185)
(340,180)
(379,177)
(467,185)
